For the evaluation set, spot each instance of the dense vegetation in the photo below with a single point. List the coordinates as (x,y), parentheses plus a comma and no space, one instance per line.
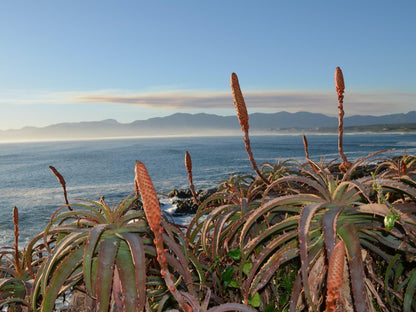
(291,237)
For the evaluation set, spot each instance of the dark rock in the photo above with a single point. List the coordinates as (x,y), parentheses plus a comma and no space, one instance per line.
(186,206)
(180,193)
(204,194)
(185,202)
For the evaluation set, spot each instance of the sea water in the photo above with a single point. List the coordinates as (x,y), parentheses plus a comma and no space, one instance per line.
(106,168)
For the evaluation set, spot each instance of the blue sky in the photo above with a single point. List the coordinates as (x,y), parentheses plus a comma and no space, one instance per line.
(66,61)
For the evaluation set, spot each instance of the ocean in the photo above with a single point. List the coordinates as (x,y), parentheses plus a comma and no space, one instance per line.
(106,168)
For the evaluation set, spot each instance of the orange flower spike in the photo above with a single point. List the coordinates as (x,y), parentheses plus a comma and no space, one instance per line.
(188,162)
(239,102)
(335,277)
(339,81)
(149,197)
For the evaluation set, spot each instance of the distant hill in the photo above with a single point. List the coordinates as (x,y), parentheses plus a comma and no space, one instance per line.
(209,124)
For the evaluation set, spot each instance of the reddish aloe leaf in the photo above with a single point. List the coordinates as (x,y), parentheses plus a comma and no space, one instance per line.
(335,276)
(220,230)
(329,226)
(182,265)
(231,307)
(351,239)
(278,244)
(409,295)
(305,219)
(269,270)
(295,294)
(398,186)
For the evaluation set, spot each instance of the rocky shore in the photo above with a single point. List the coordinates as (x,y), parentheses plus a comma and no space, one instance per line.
(184,201)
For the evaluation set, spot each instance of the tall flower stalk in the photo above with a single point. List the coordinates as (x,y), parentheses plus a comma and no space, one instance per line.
(188,165)
(242,115)
(154,217)
(63,184)
(340,88)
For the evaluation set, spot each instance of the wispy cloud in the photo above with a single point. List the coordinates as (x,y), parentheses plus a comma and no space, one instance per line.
(313,101)
(372,103)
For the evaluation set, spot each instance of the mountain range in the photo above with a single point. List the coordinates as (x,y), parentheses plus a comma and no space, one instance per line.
(183,124)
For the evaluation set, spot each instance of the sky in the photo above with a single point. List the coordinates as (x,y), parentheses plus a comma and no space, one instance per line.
(88,60)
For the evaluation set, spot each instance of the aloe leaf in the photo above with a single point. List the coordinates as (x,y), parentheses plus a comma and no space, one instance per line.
(125,205)
(11,301)
(277,244)
(209,224)
(282,203)
(409,294)
(283,255)
(305,219)
(99,207)
(125,268)
(389,240)
(70,242)
(57,280)
(231,307)
(406,220)
(138,254)
(388,274)
(329,226)
(398,186)
(106,258)
(304,180)
(295,293)
(90,247)
(361,188)
(367,245)
(288,224)
(216,244)
(351,239)
(181,265)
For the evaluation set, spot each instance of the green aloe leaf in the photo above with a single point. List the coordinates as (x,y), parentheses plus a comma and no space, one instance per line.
(136,247)
(306,216)
(89,253)
(409,296)
(59,277)
(65,247)
(106,258)
(125,267)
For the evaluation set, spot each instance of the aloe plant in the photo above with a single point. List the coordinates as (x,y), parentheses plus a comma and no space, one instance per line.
(15,278)
(97,250)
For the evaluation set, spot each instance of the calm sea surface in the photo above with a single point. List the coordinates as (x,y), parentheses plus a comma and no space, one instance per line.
(106,167)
